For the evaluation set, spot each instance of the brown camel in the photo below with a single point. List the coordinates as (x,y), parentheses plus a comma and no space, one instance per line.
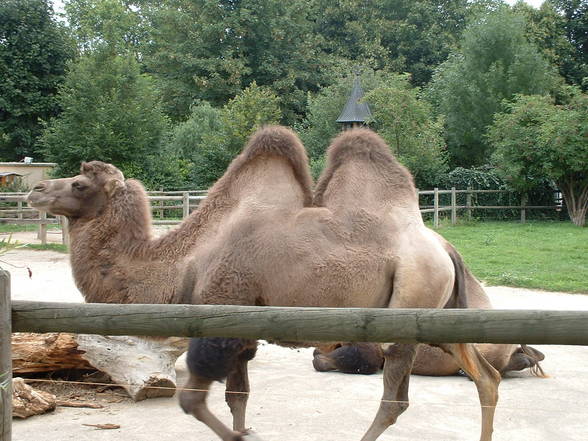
(368,358)
(260,238)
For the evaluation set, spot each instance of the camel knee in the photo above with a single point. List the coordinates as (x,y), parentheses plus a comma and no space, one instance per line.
(192,401)
(322,363)
(354,358)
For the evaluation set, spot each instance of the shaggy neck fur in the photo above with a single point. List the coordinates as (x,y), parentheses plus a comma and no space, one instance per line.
(115,260)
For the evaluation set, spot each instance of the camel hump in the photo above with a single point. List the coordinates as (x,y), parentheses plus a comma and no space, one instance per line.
(281,142)
(373,162)
(360,143)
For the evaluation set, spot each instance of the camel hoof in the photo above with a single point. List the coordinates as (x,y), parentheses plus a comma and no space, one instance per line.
(251,436)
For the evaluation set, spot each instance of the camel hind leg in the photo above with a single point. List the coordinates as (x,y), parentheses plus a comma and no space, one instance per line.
(398,361)
(484,376)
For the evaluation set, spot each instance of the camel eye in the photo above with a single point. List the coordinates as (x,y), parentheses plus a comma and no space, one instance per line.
(79,186)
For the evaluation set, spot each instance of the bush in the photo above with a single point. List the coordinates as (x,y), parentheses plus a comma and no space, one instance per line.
(487,178)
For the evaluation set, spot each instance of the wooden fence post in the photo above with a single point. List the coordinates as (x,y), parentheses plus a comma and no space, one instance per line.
(436,208)
(42,235)
(19,207)
(186,204)
(64,230)
(469,204)
(453,206)
(5,358)
(523,205)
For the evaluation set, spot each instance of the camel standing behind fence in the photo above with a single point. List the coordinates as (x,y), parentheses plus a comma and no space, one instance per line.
(263,238)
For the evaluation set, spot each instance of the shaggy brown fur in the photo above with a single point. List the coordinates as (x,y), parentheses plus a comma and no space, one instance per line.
(258,240)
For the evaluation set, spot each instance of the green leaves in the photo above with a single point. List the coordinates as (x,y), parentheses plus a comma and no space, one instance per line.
(112,113)
(537,139)
(34,49)
(212,137)
(409,127)
(495,63)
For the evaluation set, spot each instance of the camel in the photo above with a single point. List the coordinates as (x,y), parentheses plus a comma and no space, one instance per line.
(263,238)
(367,358)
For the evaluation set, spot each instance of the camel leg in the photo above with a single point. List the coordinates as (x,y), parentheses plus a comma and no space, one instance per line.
(237,391)
(398,361)
(484,376)
(211,359)
(193,402)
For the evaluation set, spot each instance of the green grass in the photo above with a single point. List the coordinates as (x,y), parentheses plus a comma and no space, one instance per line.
(5,244)
(546,255)
(15,228)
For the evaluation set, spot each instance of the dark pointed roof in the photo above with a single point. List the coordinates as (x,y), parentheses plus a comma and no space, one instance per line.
(354,110)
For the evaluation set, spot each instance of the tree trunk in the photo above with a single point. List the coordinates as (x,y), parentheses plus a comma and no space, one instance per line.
(576,198)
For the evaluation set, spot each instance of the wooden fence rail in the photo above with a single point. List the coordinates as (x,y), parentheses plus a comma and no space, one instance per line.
(274,323)
(189,200)
(306,324)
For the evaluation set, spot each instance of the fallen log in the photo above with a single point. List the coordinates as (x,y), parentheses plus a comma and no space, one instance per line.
(38,353)
(27,401)
(144,367)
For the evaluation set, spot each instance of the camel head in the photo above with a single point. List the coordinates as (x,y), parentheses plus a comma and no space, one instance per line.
(82,196)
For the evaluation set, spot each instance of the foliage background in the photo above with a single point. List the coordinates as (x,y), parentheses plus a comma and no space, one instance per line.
(170,90)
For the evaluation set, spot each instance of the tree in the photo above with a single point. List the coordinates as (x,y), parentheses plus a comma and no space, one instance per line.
(536,139)
(409,127)
(495,62)
(34,50)
(111,113)
(205,50)
(116,24)
(575,14)
(212,137)
(547,28)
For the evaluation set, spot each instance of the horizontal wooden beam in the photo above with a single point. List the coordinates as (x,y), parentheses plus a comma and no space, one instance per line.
(6,220)
(306,324)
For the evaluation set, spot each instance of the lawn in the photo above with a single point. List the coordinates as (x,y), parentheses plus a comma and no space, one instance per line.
(13,228)
(545,255)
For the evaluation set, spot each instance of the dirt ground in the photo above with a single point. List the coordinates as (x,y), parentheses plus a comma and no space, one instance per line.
(292,402)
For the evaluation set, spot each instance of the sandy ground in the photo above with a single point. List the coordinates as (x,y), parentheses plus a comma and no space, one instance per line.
(292,402)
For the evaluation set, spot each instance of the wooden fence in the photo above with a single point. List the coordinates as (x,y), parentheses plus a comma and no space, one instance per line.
(170,207)
(469,206)
(287,324)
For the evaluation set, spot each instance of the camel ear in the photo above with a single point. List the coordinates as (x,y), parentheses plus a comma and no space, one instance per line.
(112,186)
(86,168)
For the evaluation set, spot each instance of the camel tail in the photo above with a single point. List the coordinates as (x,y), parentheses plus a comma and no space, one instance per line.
(459,297)
(283,142)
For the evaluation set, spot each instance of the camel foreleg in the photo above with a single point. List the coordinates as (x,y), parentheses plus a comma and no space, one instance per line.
(237,391)
(211,359)
(398,361)
(484,376)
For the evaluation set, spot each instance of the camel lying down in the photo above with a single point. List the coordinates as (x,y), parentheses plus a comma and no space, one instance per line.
(264,237)
(368,358)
